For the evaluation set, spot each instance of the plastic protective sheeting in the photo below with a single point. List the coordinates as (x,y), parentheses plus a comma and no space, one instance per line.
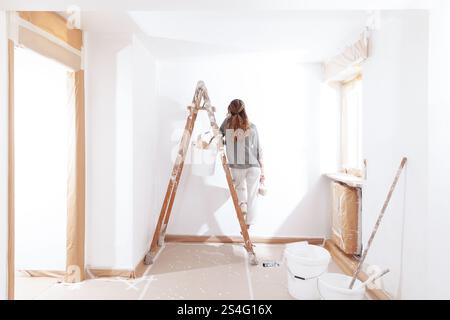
(47,33)
(346,232)
(76,181)
(48,48)
(346,64)
(54,24)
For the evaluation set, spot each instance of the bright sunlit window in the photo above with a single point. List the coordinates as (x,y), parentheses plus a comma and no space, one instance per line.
(41,153)
(351,154)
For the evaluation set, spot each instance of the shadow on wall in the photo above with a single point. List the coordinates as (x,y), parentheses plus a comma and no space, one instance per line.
(195,193)
(171,120)
(308,204)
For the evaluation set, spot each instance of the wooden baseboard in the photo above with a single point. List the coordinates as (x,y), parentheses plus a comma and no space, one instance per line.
(348,265)
(108,273)
(226,239)
(43,273)
(91,273)
(138,272)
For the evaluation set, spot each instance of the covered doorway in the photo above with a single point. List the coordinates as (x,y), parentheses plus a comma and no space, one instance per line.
(41,157)
(46,149)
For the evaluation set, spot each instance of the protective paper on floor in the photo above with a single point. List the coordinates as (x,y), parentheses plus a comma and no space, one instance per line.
(190,271)
(345,219)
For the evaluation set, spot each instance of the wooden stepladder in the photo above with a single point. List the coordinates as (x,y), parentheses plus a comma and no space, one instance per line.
(199,102)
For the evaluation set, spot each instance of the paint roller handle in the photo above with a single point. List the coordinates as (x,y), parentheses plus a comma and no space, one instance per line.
(372,278)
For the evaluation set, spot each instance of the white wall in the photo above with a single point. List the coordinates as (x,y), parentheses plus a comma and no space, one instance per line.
(120,89)
(395,125)
(438,245)
(145,148)
(101,69)
(283,100)
(124,157)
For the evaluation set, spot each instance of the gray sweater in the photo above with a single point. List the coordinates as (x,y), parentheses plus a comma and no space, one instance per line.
(242,153)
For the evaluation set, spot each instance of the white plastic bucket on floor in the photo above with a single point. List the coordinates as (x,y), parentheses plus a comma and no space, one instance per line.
(334,286)
(305,263)
(302,289)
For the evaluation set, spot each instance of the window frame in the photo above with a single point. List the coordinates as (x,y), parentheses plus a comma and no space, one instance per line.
(344,154)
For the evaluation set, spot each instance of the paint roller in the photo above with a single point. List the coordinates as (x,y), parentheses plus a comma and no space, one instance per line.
(375,276)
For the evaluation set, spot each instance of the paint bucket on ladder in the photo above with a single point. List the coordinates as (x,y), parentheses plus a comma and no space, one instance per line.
(203,155)
(305,263)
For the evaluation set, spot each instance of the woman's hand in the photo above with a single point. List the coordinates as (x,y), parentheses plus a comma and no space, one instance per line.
(262,178)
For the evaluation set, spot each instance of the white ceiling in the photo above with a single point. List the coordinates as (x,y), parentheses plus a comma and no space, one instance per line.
(309,36)
(217,5)
(309,30)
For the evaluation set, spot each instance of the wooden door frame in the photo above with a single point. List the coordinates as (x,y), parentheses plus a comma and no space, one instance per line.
(55,25)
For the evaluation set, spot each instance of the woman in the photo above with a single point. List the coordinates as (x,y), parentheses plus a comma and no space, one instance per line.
(244,157)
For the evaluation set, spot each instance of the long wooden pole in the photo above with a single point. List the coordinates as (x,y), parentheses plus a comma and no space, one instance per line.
(377,224)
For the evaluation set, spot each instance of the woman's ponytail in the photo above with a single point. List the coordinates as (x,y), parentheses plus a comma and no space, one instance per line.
(238,120)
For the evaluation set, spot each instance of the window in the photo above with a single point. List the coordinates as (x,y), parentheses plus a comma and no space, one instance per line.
(351,154)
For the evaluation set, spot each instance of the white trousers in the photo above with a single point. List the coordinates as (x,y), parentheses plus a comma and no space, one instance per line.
(246,182)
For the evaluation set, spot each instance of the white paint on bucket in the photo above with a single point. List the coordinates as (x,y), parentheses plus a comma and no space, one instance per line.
(203,160)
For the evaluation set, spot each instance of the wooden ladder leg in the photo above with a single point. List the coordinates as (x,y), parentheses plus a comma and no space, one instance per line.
(175,187)
(166,208)
(247,242)
(158,240)
(153,250)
